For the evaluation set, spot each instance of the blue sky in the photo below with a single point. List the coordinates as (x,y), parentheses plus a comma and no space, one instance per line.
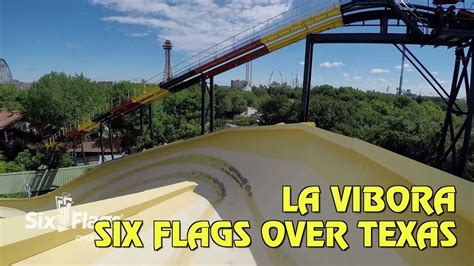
(121,40)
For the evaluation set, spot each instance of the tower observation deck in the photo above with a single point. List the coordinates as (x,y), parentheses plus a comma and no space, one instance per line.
(167,46)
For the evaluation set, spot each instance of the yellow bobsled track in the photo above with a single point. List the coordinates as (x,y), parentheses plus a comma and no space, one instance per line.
(234,174)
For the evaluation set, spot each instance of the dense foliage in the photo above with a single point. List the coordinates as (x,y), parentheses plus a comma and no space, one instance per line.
(404,124)
(398,123)
(57,100)
(12,98)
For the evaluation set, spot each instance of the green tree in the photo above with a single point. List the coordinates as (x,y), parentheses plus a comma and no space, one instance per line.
(233,101)
(9,167)
(57,100)
(11,97)
(245,121)
(408,126)
(25,159)
(277,109)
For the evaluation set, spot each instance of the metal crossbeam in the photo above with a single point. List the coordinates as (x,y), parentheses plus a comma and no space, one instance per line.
(450,138)
(461,76)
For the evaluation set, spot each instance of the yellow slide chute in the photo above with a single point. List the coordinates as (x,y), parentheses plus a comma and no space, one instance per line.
(326,20)
(239,175)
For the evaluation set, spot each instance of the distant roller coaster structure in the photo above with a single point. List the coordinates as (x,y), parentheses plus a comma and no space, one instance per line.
(271,76)
(5,73)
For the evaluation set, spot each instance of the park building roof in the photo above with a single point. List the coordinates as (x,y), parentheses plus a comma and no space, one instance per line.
(8,118)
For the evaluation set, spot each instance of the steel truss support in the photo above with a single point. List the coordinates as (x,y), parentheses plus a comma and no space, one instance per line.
(463,75)
(74,151)
(312,39)
(203,105)
(141,121)
(111,141)
(101,136)
(83,153)
(211,104)
(150,122)
(146,115)
(450,142)
(205,89)
(426,74)
(449,135)
(308,68)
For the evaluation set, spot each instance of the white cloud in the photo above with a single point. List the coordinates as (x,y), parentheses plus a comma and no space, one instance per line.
(435,73)
(349,77)
(379,84)
(302,63)
(332,64)
(407,67)
(137,34)
(398,67)
(379,70)
(374,80)
(194,25)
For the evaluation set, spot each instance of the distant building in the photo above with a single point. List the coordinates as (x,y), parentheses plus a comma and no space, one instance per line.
(239,84)
(14,131)
(249,112)
(93,152)
(7,120)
